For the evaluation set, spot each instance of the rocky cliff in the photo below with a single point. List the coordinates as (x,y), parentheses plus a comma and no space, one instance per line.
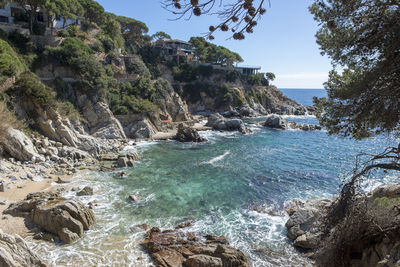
(368,235)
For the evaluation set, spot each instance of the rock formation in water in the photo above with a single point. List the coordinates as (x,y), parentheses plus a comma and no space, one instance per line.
(218,122)
(187,134)
(278,122)
(368,235)
(177,248)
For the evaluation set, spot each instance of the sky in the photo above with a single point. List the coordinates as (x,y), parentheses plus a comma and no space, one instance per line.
(283,42)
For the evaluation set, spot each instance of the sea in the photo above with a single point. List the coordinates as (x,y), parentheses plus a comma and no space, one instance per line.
(233,185)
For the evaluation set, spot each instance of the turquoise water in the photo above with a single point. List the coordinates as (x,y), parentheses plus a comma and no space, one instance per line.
(234,185)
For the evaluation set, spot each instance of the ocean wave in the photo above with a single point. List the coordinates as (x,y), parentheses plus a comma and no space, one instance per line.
(212,135)
(217,158)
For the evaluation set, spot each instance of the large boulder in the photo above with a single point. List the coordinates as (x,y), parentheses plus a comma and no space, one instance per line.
(127,159)
(66,218)
(187,134)
(218,122)
(19,146)
(14,251)
(142,129)
(276,122)
(101,120)
(304,222)
(177,248)
(53,126)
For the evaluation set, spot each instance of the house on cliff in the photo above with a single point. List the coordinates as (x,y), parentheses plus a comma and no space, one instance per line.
(180,51)
(175,50)
(14,17)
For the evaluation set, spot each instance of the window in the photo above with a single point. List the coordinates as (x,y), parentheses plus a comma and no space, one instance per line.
(3,19)
(40,16)
(16,11)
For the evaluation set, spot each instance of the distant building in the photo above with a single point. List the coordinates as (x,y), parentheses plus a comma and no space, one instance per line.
(13,14)
(247,70)
(175,50)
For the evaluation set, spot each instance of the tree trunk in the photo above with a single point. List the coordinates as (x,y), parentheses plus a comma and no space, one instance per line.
(50,18)
(31,18)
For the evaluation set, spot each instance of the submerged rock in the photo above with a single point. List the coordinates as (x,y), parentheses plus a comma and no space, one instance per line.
(187,134)
(177,248)
(14,251)
(66,218)
(135,198)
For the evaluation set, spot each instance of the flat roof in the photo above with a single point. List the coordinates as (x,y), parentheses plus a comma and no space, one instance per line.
(177,41)
(248,67)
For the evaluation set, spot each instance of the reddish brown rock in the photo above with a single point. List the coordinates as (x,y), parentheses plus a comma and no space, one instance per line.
(178,248)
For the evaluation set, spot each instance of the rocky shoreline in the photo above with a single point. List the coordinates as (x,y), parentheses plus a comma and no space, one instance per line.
(53,162)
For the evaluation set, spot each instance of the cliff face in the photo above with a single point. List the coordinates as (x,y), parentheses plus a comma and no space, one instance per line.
(221,91)
(368,234)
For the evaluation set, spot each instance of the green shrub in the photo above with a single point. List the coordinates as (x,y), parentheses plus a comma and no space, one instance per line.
(73,31)
(232,76)
(10,63)
(69,52)
(29,87)
(83,36)
(228,96)
(205,71)
(108,44)
(21,42)
(67,110)
(63,33)
(3,35)
(162,88)
(185,73)
(97,46)
(140,105)
(7,119)
(257,79)
(135,65)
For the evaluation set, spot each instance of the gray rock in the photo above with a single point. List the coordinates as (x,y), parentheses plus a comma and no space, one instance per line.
(86,191)
(218,122)
(276,122)
(142,130)
(14,251)
(62,180)
(3,186)
(66,218)
(135,198)
(19,146)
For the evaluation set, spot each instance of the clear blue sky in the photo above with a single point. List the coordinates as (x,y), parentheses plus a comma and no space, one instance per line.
(282,43)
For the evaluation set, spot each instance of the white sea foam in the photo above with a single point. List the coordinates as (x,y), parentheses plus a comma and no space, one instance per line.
(216,159)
